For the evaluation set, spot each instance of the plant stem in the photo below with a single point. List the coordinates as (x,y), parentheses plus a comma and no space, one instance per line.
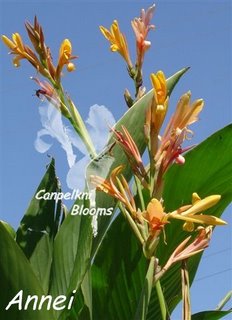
(186,309)
(77,122)
(140,194)
(162,301)
(224,301)
(131,223)
(81,130)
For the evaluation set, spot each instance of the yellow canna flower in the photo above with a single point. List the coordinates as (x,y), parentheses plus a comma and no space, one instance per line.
(22,51)
(186,113)
(160,87)
(157,218)
(65,55)
(202,204)
(190,216)
(16,46)
(156,112)
(118,41)
(65,52)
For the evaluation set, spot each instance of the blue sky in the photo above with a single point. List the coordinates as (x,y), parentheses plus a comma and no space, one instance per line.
(188,33)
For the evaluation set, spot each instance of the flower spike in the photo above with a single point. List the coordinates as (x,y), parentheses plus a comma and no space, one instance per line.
(125,140)
(141,27)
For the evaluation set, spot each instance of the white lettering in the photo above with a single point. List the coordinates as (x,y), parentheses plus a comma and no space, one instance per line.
(29,299)
(71,300)
(59,300)
(18,299)
(38,193)
(43,299)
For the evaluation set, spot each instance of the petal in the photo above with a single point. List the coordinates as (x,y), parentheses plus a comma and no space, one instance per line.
(100,120)
(76,176)
(40,145)
(203,204)
(10,44)
(155,209)
(200,218)
(52,121)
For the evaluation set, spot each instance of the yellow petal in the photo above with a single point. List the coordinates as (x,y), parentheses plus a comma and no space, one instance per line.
(188,226)
(17,39)
(10,44)
(155,209)
(195,198)
(200,218)
(203,204)
(106,33)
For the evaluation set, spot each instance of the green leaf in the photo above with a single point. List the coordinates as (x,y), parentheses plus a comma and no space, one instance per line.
(118,274)
(71,255)
(41,261)
(40,217)
(16,274)
(210,315)
(133,120)
(39,226)
(9,228)
(119,269)
(146,292)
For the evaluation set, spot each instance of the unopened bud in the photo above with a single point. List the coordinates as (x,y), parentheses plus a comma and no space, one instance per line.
(71,67)
(128,98)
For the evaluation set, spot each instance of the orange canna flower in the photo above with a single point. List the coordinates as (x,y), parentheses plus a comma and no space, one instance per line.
(118,41)
(155,217)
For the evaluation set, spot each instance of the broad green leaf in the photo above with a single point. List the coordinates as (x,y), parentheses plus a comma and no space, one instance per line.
(40,217)
(41,260)
(71,255)
(39,226)
(141,312)
(133,120)
(118,274)
(210,315)
(16,274)
(119,269)
(9,228)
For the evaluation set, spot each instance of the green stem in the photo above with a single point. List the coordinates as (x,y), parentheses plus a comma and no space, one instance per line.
(131,223)
(186,307)
(81,130)
(73,115)
(162,302)
(140,194)
(224,301)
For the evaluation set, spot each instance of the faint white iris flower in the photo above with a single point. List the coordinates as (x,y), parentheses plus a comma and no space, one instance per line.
(100,119)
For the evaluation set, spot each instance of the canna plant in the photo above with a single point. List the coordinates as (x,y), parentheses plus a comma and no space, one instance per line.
(139,262)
